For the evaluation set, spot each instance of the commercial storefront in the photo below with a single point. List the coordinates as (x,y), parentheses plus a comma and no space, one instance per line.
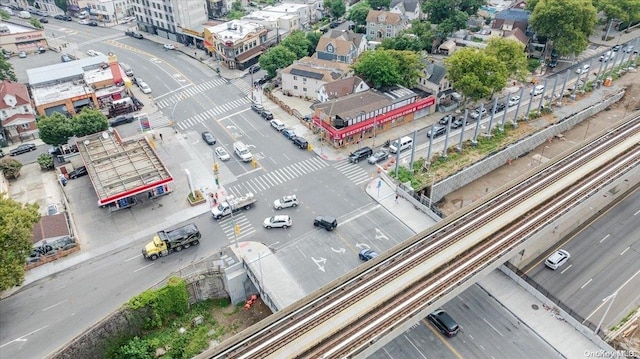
(357,132)
(16,38)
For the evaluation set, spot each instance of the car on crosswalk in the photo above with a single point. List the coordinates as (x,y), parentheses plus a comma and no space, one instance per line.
(286,202)
(280,221)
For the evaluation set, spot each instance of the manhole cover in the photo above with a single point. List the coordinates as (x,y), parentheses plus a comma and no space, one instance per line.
(534,307)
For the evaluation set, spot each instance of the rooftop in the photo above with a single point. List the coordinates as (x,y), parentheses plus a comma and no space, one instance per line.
(64,71)
(234,30)
(285,7)
(17,29)
(118,168)
(60,91)
(350,106)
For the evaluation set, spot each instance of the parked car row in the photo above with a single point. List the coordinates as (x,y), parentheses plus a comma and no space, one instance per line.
(134,34)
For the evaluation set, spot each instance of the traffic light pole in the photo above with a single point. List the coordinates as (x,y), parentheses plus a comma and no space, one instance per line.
(236,228)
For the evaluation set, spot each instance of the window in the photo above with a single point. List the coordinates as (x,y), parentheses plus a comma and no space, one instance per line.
(372,32)
(25,126)
(295,78)
(329,48)
(4,113)
(304,89)
(25,109)
(295,87)
(304,80)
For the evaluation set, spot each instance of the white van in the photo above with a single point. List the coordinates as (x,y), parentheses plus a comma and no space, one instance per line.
(242,151)
(405,144)
(24,15)
(127,69)
(83,14)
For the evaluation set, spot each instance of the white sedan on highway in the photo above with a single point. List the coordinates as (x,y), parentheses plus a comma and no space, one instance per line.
(93,53)
(222,154)
(583,69)
(169,47)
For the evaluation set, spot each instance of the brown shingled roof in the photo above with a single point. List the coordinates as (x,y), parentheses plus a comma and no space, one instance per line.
(341,46)
(350,106)
(17,89)
(389,18)
(50,227)
(341,88)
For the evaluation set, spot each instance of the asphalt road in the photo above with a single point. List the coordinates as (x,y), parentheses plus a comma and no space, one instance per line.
(605,259)
(488,331)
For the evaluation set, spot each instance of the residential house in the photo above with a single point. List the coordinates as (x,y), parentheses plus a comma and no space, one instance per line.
(17,117)
(434,79)
(278,24)
(341,88)
(341,46)
(305,76)
(517,35)
(411,9)
(384,24)
(511,19)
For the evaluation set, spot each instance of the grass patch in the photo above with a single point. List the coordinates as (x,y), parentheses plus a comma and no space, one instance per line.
(624,320)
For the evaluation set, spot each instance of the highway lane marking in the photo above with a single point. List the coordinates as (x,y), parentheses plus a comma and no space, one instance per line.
(22,338)
(414,346)
(53,306)
(171,92)
(625,250)
(442,339)
(566,269)
(492,327)
(132,258)
(584,285)
(635,214)
(141,268)
(605,237)
(617,290)
(248,172)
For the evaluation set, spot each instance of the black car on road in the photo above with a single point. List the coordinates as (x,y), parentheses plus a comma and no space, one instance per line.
(300,142)
(208,138)
(257,108)
(437,131)
(380,155)
(121,120)
(267,115)
(23,148)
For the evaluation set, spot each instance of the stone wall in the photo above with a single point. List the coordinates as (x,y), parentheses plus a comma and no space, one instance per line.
(517,149)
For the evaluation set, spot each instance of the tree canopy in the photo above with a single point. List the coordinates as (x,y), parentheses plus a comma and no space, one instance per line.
(623,10)
(276,58)
(313,37)
(418,37)
(568,23)
(385,68)
(475,73)
(336,8)
(237,11)
(455,22)
(358,13)
(511,54)
(298,43)
(16,225)
(57,128)
(376,4)
(6,70)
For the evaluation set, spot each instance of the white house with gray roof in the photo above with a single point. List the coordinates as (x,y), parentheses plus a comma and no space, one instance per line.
(411,9)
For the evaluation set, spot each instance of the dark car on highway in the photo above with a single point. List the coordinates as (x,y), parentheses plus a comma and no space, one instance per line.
(443,321)
(23,148)
(437,131)
(43,20)
(367,254)
(78,172)
(208,138)
(121,120)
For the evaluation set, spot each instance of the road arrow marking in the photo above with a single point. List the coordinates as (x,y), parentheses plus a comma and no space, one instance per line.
(340,250)
(320,262)
(363,246)
(380,235)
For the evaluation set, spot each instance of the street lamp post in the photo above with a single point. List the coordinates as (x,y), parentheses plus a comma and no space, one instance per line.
(611,298)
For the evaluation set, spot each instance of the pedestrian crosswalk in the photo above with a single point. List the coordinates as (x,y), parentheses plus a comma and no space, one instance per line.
(228,223)
(189,91)
(278,177)
(352,171)
(241,85)
(211,113)
(118,36)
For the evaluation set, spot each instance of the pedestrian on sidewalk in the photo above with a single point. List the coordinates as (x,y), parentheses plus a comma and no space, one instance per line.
(396,197)
(161,139)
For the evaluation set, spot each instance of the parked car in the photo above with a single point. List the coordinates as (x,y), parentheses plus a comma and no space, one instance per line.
(557,259)
(41,50)
(257,108)
(367,254)
(443,321)
(93,23)
(606,56)
(83,22)
(43,20)
(65,58)
(138,81)
(277,124)
(437,131)
(169,47)
(279,221)
(22,54)
(443,121)
(23,148)
(477,112)
(360,154)
(513,100)
(144,88)
(286,202)
(52,209)
(538,90)
(208,138)
(583,69)
(93,53)
(222,154)
(253,69)
(267,115)
(300,142)
(121,120)
(78,172)
(553,63)
(378,156)
(288,133)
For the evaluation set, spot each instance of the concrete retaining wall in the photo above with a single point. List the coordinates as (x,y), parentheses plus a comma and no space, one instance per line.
(517,149)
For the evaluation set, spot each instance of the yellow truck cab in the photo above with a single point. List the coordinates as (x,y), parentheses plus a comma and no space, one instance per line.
(166,242)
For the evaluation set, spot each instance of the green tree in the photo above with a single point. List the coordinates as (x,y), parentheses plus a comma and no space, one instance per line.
(62,4)
(424,32)
(6,70)
(298,43)
(376,4)
(276,58)
(457,21)
(402,42)
(16,225)
(35,23)
(336,8)
(409,67)
(568,23)
(379,67)
(237,11)
(10,167)
(358,13)
(511,54)
(55,129)
(89,121)
(4,15)
(471,7)
(313,37)
(475,73)
(439,10)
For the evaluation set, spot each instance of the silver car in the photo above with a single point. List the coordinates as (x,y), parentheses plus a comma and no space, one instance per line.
(286,202)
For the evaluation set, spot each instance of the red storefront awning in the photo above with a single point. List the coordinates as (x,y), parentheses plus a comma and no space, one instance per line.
(135,191)
(117,72)
(380,119)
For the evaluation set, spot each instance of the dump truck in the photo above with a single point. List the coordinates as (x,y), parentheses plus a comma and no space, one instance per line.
(232,204)
(167,242)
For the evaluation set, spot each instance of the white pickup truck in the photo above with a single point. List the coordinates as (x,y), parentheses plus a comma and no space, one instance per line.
(232,204)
